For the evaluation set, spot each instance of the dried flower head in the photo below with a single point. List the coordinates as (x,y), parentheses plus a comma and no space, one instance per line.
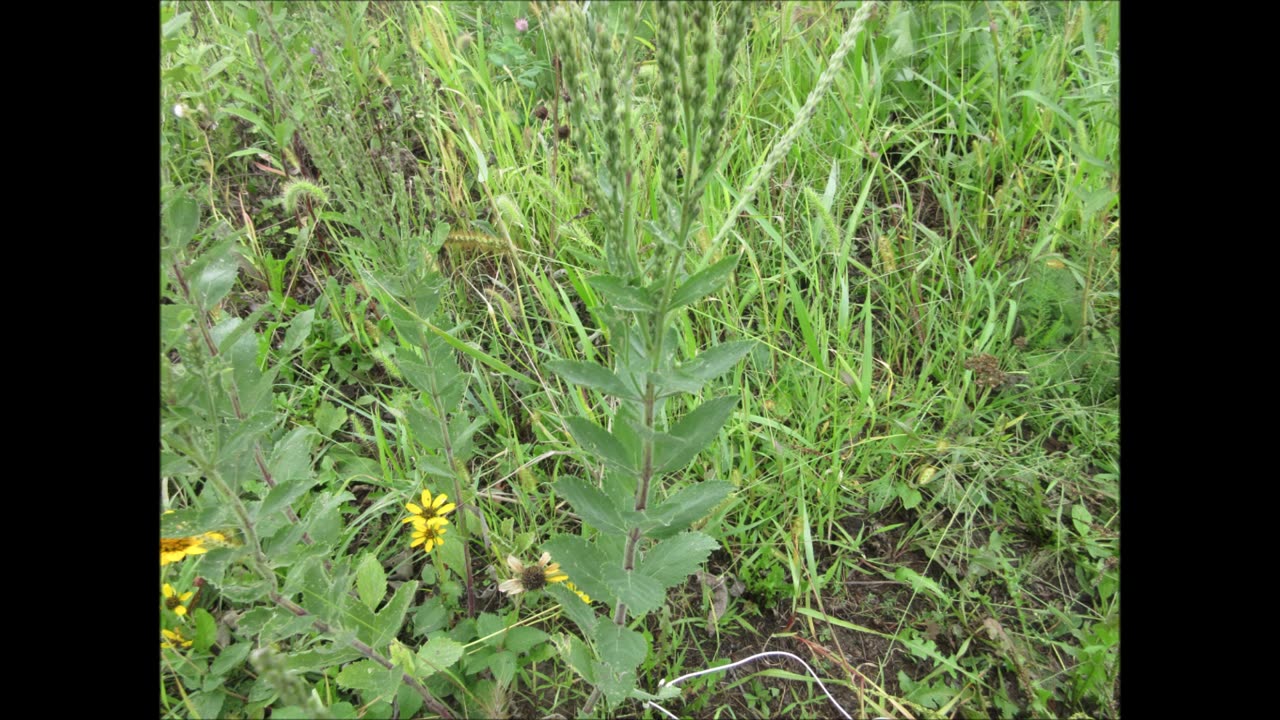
(532,577)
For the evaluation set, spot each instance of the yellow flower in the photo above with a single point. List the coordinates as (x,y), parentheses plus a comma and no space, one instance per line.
(532,577)
(428,533)
(174,549)
(174,601)
(432,509)
(174,639)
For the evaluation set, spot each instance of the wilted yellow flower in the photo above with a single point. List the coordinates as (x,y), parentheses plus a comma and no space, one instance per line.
(532,577)
(174,549)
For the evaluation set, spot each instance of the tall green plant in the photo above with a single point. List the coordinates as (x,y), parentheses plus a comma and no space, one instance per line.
(638,544)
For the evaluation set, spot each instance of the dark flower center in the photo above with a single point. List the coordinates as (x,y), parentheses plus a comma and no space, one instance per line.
(533,577)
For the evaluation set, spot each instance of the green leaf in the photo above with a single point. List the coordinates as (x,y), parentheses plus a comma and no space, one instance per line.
(426,428)
(175,24)
(461,431)
(522,638)
(641,593)
(600,443)
(299,330)
(676,558)
(578,656)
(371,581)
(592,375)
(703,283)
(206,630)
(370,678)
(183,217)
(919,583)
(1082,519)
(623,296)
(207,703)
(672,382)
(329,418)
(579,612)
(714,362)
(174,320)
(584,563)
(231,657)
(212,275)
(619,646)
(388,622)
(290,466)
(307,577)
(597,509)
(503,665)
(403,657)
(615,683)
(438,654)
(435,378)
(682,509)
(320,659)
(696,429)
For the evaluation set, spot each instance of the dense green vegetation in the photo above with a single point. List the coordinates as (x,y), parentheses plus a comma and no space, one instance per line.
(385,227)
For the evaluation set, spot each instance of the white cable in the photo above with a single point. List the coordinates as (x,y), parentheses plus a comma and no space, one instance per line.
(730,666)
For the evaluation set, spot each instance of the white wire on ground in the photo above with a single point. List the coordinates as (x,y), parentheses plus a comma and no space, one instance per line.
(769,653)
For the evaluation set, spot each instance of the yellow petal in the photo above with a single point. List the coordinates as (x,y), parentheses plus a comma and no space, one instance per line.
(413,508)
(180,610)
(438,502)
(167,589)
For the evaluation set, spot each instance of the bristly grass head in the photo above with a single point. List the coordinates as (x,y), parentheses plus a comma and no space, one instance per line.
(298,190)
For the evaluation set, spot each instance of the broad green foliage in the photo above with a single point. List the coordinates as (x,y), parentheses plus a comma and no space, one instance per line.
(644,297)
(513,361)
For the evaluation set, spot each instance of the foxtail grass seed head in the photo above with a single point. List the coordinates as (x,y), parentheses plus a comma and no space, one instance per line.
(886,253)
(783,144)
(296,190)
